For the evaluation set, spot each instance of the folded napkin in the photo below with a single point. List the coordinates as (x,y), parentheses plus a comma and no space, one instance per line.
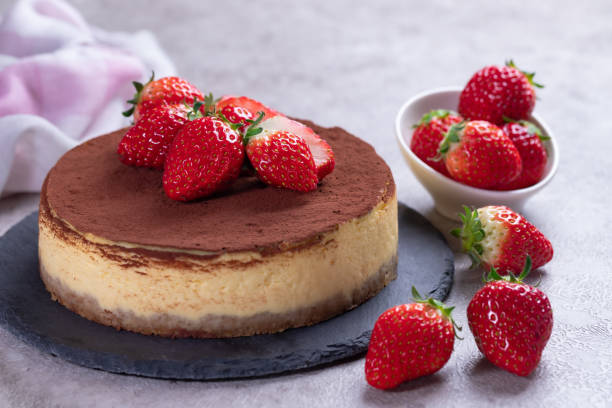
(61,83)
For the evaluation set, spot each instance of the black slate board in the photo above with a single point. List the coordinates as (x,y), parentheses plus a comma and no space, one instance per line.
(27,310)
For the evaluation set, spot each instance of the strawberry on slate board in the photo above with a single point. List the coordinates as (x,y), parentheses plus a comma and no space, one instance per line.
(163,91)
(479,154)
(498,237)
(528,139)
(146,143)
(428,134)
(511,321)
(205,157)
(322,153)
(494,92)
(409,341)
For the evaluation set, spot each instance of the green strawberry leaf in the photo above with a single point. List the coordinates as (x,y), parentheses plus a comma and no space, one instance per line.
(444,310)
(470,234)
(452,136)
(435,113)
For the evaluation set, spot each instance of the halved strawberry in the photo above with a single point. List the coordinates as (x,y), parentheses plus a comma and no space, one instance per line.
(282,159)
(147,142)
(321,151)
(251,105)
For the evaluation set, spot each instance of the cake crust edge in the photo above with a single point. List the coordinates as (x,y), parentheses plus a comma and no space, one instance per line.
(167,325)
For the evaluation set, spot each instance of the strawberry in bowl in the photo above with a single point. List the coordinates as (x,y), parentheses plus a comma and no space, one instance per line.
(450,195)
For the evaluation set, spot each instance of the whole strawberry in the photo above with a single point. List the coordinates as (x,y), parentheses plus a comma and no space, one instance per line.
(479,154)
(163,91)
(527,138)
(428,134)
(250,105)
(146,143)
(511,321)
(205,157)
(494,92)
(322,152)
(498,237)
(409,341)
(282,159)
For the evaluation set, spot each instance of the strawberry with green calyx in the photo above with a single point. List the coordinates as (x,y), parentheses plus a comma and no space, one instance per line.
(528,138)
(282,159)
(163,91)
(207,155)
(511,321)
(322,152)
(409,341)
(479,154)
(146,143)
(427,135)
(494,92)
(496,236)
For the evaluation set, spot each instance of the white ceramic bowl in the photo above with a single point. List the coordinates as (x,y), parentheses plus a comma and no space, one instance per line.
(448,194)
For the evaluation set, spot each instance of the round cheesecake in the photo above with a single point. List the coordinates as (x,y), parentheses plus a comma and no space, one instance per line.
(254,259)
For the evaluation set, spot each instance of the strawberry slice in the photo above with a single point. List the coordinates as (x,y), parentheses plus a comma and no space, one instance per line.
(251,105)
(321,151)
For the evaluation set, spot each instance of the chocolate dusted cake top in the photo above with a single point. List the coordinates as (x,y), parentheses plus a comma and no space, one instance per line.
(95,193)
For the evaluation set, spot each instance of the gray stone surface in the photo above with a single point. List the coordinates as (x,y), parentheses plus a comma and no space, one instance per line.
(351,65)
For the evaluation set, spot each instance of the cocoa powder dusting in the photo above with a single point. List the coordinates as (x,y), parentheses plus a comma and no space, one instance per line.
(96,193)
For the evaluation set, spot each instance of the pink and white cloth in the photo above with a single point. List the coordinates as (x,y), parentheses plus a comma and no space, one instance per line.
(61,83)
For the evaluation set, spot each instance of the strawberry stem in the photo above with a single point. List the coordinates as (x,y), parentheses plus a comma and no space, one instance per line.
(136,98)
(444,310)
(528,75)
(194,110)
(510,277)
(434,113)
(452,136)
(470,234)
(253,130)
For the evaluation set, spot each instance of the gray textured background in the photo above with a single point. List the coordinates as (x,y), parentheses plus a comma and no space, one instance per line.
(351,65)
